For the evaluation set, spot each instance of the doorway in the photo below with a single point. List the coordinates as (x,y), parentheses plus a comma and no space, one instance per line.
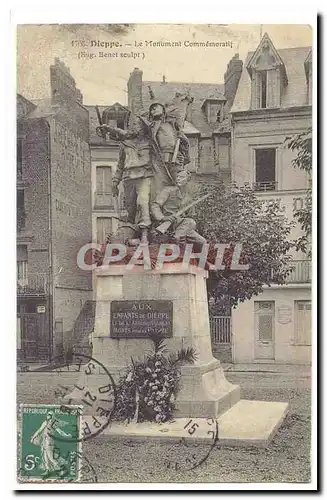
(264,326)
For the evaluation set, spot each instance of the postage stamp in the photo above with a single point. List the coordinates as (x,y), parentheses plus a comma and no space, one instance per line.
(44,457)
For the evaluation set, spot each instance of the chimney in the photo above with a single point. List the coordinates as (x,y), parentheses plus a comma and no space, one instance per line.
(63,86)
(232,77)
(134,87)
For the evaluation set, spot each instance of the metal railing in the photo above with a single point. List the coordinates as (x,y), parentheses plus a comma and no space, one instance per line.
(301,272)
(34,285)
(265,186)
(221,329)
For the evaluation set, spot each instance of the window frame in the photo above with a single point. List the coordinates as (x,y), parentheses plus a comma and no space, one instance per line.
(261,73)
(97,204)
(19,157)
(254,169)
(271,311)
(96,227)
(296,340)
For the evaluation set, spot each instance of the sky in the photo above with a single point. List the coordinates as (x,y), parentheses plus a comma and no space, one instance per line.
(103,80)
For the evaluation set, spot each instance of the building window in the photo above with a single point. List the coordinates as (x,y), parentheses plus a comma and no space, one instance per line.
(213,109)
(223,157)
(265,169)
(18,333)
(103,193)
(308,72)
(266,89)
(263,89)
(121,123)
(194,154)
(302,322)
(22,271)
(265,320)
(19,159)
(297,204)
(21,216)
(104,228)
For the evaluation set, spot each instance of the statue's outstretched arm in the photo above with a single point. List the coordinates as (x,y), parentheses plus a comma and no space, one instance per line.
(116,133)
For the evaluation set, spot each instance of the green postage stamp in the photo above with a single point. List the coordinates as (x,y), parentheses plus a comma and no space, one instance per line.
(50,445)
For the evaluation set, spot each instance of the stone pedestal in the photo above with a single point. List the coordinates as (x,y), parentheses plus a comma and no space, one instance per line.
(204,392)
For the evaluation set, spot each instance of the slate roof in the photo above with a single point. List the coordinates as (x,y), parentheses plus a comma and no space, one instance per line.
(23,106)
(165,92)
(43,108)
(294,94)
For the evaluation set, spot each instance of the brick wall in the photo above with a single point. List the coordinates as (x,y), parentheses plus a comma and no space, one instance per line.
(71,208)
(35,163)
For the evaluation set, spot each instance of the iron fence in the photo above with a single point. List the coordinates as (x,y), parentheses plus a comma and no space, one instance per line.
(221,329)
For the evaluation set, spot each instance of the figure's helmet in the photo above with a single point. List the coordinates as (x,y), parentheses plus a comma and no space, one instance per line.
(153,105)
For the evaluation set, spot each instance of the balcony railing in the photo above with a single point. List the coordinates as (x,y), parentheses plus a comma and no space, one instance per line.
(301,272)
(265,186)
(34,285)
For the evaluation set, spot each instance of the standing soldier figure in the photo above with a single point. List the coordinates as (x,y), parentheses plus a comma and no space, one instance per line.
(134,169)
(170,146)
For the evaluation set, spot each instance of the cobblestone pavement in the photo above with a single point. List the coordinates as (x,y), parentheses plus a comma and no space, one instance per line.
(287,459)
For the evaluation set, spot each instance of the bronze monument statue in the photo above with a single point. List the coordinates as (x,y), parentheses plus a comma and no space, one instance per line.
(152,161)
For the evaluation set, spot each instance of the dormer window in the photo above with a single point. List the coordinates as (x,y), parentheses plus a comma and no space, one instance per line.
(213,109)
(268,76)
(115,116)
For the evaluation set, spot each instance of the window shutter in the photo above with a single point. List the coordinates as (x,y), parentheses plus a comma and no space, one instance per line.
(21,253)
(107,180)
(303,322)
(103,186)
(223,153)
(99,180)
(255,90)
(273,88)
(104,228)
(194,154)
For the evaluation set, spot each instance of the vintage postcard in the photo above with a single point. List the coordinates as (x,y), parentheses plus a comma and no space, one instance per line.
(164,249)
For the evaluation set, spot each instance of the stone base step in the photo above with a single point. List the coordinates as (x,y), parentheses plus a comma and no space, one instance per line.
(247,423)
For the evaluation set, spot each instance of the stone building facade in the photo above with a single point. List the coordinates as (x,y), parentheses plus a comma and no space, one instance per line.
(53,217)
(273,102)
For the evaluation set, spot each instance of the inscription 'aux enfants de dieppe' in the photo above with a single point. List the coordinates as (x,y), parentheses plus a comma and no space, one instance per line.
(141,318)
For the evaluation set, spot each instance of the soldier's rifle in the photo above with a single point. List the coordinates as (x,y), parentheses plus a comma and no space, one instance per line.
(164,226)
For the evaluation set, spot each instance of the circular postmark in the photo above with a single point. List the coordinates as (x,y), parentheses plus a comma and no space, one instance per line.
(84,383)
(201,436)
